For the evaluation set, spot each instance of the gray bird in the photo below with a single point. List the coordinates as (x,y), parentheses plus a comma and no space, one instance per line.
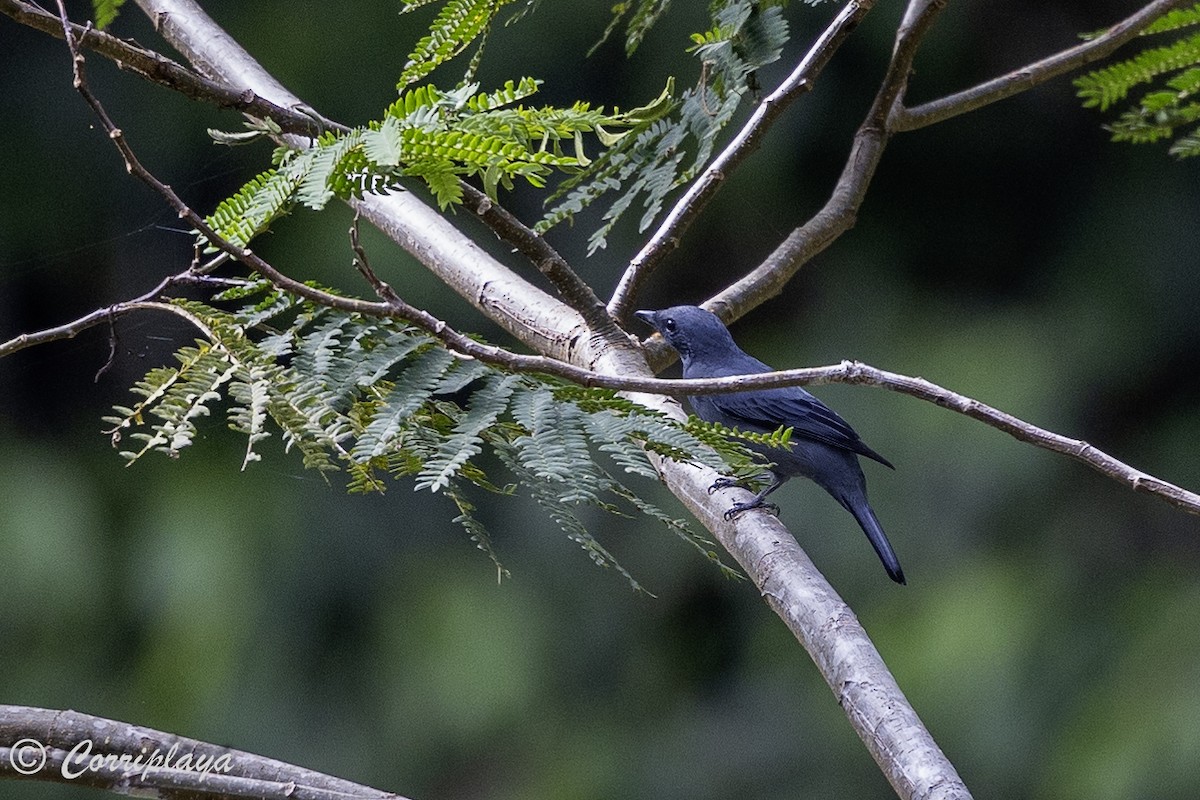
(824,449)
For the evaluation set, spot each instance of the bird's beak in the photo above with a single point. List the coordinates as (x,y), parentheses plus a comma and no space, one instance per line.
(646,317)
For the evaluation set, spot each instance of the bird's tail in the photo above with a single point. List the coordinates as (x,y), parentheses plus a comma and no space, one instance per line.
(870,525)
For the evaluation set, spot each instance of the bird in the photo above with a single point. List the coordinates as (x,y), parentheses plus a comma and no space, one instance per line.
(824,448)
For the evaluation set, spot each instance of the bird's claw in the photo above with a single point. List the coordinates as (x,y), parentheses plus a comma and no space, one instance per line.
(723,482)
(738,508)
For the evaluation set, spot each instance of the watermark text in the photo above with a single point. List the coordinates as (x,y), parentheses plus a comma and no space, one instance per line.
(28,756)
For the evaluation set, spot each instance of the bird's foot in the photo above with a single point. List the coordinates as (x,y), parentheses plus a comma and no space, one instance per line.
(738,508)
(725,482)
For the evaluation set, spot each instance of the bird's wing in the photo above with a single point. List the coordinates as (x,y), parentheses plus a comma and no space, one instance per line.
(807,416)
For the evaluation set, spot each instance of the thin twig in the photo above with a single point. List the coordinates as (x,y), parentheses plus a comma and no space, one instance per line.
(72,329)
(1035,74)
(381,287)
(666,238)
(847,372)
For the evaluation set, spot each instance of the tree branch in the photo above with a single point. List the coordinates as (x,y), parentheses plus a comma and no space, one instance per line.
(60,747)
(688,207)
(160,70)
(828,629)
(192,275)
(1035,74)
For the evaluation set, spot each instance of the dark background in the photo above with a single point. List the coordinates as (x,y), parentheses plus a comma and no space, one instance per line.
(1050,634)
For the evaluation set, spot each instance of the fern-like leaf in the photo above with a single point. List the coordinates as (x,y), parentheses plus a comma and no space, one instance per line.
(1170,105)
(663,152)
(177,397)
(375,398)
(1174,20)
(1104,87)
(1187,146)
(413,387)
(488,402)
(458,24)
(680,527)
(561,509)
(250,391)
(249,212)
(474,528)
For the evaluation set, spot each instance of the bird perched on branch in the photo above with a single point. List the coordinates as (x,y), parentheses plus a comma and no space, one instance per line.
(824,448)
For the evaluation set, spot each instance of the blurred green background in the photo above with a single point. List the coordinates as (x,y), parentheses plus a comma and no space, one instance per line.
(1050,634)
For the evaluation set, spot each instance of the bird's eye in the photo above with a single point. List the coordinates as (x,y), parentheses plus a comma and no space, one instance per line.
(669,324)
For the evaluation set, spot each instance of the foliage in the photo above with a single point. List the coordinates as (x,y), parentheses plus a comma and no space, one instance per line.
(442,136)
(376,398)
(645,13)
(437,136)
(648,163)
(1170,109)
(458,24)
(105,11)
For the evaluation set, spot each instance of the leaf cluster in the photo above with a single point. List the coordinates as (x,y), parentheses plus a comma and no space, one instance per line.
(1170,110)
(653,159)
(643,14)
(442,136)
(379,400)
(437,136)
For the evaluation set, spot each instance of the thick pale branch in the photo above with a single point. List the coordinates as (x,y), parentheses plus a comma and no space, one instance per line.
(1035,74)
(827,628)
(688,207)
(59,747)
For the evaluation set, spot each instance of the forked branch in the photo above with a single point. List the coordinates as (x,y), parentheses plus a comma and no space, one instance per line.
(839,212)
(666,237)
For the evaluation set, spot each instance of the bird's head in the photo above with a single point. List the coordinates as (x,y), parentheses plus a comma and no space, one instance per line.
(691,330)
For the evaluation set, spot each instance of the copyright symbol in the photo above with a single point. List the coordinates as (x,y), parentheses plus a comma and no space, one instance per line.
(27,756)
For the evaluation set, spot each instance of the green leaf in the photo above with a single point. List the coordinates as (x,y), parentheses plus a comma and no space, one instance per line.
(458,24)
(382,145)
(465,441)
(1170,104)
(105,11)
